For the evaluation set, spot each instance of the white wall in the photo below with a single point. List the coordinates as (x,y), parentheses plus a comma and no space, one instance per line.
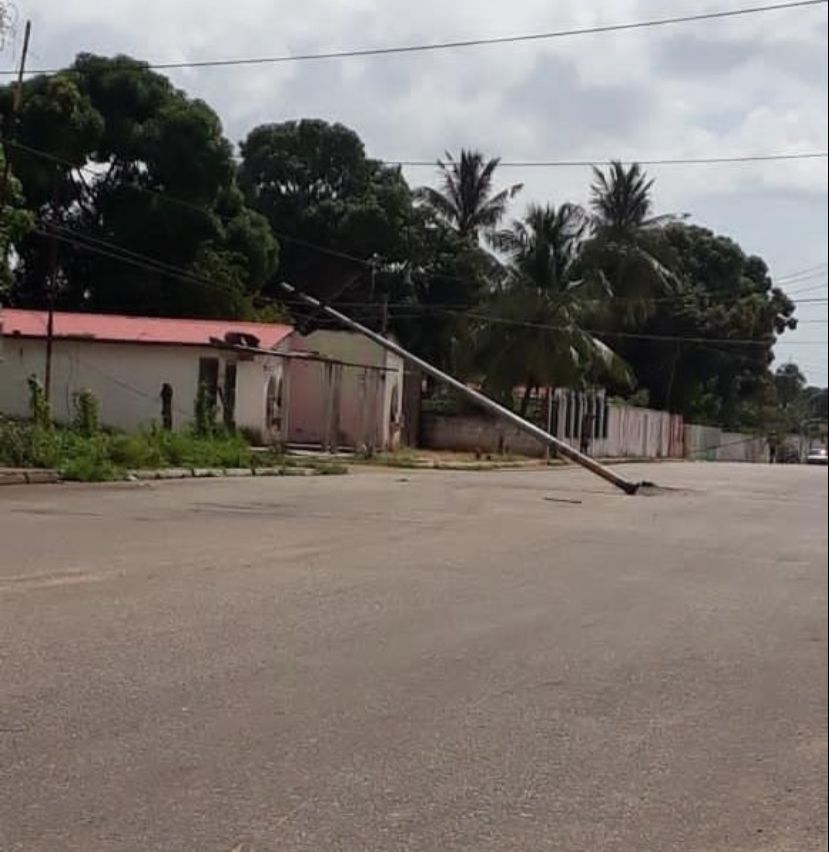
(252,377)
(362,407)
(127,378)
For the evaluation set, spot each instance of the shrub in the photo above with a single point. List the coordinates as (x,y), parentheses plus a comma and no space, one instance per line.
(39,406)
(85,420)
(204,412)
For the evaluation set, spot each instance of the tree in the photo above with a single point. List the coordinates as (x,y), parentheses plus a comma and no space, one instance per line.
(448,276)
(337,213)
(789,384)
(688,365)
(628,243)
(118,166)
(535,334)
(466,201)
(15,223)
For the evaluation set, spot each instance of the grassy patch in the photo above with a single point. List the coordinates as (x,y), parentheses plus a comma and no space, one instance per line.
(101,456)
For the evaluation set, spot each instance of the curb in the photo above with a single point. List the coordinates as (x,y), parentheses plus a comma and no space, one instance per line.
(29,477)
(215,472)
(44,477)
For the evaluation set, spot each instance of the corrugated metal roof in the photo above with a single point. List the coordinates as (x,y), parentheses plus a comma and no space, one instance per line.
(123,329)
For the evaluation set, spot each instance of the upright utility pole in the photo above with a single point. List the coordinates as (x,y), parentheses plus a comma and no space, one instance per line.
(51,286)
(484,401)
(7,131)
(384,319)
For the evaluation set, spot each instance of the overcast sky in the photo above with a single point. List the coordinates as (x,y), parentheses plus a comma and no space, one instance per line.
(741,86)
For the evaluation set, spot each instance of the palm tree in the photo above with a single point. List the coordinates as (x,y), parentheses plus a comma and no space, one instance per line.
(536,332)
(465,202)
(627,242)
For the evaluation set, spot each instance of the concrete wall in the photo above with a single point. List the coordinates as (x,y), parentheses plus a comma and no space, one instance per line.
(708,443)
(348,406)
(475,433)
(631,433)
(127,379)
(735,446)
(640,433)
(701,442)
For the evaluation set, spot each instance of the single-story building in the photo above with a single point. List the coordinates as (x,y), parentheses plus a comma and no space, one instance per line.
(330,389)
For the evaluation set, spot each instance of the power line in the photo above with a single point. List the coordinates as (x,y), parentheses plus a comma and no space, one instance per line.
(142,261)
(187,205)
(473,42)
(711,343)
(668,338)
(482,317)
(818,269)
(807,289)
(147,261)
(117,252)
(190,206)
(662,161)
(76,241)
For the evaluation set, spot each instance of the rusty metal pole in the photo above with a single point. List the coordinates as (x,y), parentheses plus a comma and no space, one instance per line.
(484,401)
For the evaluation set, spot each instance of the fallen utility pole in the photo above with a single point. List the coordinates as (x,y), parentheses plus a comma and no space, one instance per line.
(484,401)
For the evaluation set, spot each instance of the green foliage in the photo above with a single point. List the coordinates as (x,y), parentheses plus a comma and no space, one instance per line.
(204,412)
(89,461)
(146,140)
(86,413)
(467,202)
(15,220)
(314,184)
(538,332)
(628,245)
(135,162)
(100,456)
(39,406)
(722,293)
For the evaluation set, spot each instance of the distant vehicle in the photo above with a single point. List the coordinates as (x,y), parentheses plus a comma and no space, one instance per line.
(817,455)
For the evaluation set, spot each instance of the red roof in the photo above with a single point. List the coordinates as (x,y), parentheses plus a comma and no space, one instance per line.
(122,329)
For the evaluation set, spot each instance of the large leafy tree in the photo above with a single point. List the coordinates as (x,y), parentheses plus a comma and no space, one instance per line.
(799,407)
(135,184)
(344,220)
(15,223)
(723,295)
(536,334)
(466,200)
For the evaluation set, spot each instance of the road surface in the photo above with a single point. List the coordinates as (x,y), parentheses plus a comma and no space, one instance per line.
(428,661)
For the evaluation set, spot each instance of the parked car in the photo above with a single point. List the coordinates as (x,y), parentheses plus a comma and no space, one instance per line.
(817,455)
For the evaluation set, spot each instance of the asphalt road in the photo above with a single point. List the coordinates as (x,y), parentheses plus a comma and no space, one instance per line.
(416,661)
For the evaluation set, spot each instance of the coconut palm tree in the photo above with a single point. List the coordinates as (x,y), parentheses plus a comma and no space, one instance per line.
(534,331)
(466,201)
(627,243)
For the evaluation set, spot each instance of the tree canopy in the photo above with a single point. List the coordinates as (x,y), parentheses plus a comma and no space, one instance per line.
(332,207)
(138,169)
(150,211)
(467,201)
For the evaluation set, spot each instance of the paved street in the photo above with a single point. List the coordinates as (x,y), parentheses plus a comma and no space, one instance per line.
(400,660)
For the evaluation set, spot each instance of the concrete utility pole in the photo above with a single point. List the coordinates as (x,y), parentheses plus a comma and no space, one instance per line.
(7,132)
(484,401)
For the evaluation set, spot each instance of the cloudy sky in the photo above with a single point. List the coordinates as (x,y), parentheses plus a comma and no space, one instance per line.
(747,85)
